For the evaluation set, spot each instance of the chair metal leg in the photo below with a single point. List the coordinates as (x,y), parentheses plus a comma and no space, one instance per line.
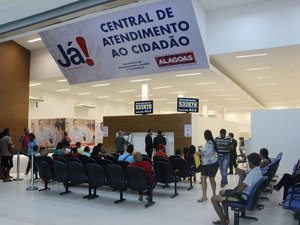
(67,189)
(46,186)
(236,217)
(175,189)
(243,215)
(90,192)
(191,184)
(150,199)
(121,198)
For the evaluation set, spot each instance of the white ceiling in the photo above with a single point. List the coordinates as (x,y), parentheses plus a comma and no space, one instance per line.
(226,85)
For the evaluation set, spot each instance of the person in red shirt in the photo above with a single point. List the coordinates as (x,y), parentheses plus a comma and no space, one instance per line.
(145,165)
(161,152)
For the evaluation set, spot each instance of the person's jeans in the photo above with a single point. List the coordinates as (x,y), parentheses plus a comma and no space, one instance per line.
(223,164)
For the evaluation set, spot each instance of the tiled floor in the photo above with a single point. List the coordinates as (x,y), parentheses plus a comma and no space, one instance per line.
(19,206)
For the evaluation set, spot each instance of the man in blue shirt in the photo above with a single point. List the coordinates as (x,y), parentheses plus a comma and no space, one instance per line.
(127,156)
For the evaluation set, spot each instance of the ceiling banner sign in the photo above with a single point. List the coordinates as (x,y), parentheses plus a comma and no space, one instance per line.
(158,37)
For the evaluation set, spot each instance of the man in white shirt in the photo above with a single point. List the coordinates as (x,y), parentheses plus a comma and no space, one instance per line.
(245,186)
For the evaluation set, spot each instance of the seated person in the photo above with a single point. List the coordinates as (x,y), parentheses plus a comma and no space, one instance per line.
(39,152)
(95,151)
(102,151)
(161,151)
(127,155)
(265,161)
(86,151)
(146,166)
(178,152)
(60,149)
(287,180)
(74,152)
(78,146)
(245,186)
(264,155)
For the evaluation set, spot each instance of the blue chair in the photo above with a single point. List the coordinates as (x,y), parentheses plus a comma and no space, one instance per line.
(240,208)
(292,201)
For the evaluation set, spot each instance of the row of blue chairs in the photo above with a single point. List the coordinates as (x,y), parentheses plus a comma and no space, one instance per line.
(252,202)
(292,201)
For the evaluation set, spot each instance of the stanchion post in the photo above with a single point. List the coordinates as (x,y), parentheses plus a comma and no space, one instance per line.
(18,167)
(32,187)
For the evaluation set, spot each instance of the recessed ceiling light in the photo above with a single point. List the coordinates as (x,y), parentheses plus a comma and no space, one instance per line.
(34,40)
(268,84)
(188,74)
(162,87)
(62,80)
(120,100)
(241,102)
(231,99)
(177,92)
(61,90)
(259,68)
(223,95)
(263,77)
(84,93)
(101,85)
(205,83)
(160,99)
(35,84)
(140,80)
(100,97)
(212,90)
(251,55)
(139,96)
(126,91)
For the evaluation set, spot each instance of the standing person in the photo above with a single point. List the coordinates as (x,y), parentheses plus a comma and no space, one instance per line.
(245,186)
(223,146)
(6,155)
(66,140)
(31,143)
(209,164)
(25,141)
(149,144)
(233,154)
(120,142)
(159,139)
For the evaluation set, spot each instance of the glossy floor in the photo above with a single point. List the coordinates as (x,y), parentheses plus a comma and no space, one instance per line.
(19,206)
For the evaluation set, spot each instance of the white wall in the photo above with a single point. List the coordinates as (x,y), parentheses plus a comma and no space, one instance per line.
(200,124)
(264,24)
(278,131)
(43,66)
(243,119)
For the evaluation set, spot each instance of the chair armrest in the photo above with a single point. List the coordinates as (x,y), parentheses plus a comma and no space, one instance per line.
(236,194)
(176,172)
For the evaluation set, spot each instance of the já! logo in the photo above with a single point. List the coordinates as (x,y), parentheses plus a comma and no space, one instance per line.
(73,55)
